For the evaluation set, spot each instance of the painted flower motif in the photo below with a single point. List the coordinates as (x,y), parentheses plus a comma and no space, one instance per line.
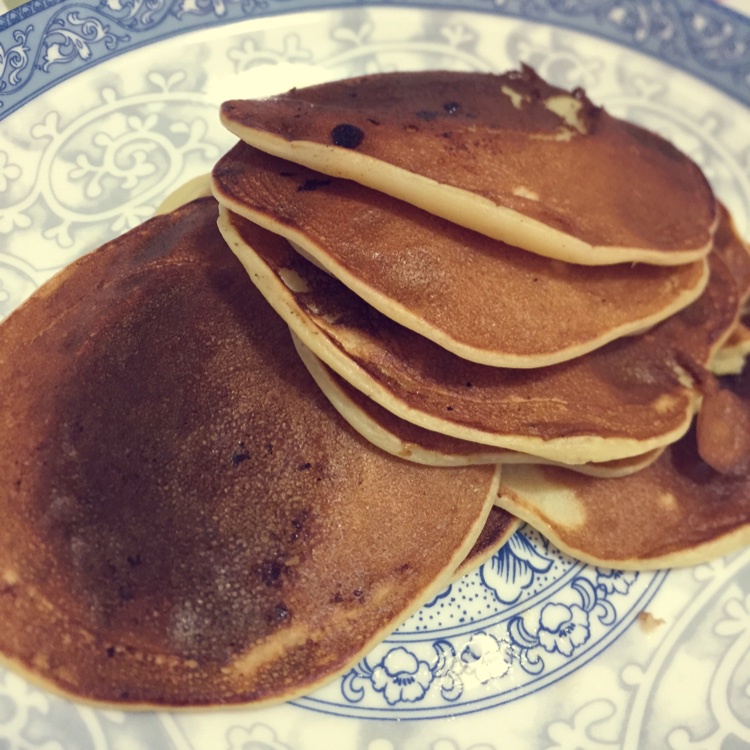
(401,677)
(489,658)
(615,581)
(513,569)
(563,629)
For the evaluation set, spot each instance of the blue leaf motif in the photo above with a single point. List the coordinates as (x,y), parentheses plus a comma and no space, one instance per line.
(513,569)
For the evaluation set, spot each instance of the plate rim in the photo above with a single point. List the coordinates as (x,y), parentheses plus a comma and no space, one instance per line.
(36,60)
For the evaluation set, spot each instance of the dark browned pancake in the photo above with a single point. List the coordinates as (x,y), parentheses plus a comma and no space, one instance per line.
(479,298)
(678,511)
(730,358)
(621,400)
(407,440)
(507,155)
(186,520)
(734,251)
(498,528)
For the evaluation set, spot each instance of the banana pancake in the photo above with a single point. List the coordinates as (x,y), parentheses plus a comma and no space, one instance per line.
(475,296)
(498,529)
(508,155)
(414,443)
(678,511)
(186,519)
(622,400)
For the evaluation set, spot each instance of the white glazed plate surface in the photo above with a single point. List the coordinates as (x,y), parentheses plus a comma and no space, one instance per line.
(108,106)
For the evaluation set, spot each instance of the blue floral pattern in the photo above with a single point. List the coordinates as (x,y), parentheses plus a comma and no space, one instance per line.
(513,569)
(401,677)
(503,643)
(563,629)
(695,35)
(531,637)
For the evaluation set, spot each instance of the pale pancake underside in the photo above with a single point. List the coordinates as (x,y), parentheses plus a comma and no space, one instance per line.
(560,416)
(514,159)
(413,443)
(476,297)
(141,561)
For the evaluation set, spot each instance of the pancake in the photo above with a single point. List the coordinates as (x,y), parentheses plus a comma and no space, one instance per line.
(498,529)
(734,251)
(407,440)
(678,511)
(186,520)
(507,155)
(622,400)
(476,297)
(731,358)
(197,187)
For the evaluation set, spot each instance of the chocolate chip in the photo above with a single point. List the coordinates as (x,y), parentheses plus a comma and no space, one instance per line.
(347,136)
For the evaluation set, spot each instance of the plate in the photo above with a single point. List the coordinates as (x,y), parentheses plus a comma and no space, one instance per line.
(107,105)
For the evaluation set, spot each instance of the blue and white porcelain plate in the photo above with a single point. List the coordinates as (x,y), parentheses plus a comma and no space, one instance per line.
(107,105)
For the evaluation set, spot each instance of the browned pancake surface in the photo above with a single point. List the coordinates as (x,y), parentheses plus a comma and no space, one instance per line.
(678,511)
(621,400)
(475,141)
(186,520)
(414,443)
(479,298)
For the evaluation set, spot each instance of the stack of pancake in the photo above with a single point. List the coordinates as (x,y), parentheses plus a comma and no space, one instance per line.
(482,269)
(504,305)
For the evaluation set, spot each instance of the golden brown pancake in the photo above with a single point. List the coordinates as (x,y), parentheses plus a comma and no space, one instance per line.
(475,296)
(414,443)
(186,520)
(678,511)
(506,155)
(622,400)
(498,528)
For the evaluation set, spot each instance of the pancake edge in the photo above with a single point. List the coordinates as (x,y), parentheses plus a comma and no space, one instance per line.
(401,314)
(391,443)
(569,450)
(455,204)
